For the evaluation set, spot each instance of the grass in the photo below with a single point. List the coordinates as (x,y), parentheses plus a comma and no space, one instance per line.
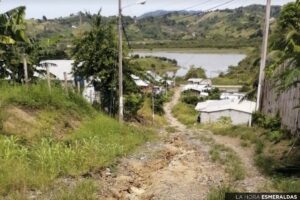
(85,190)
(286,184)
(186,114)
(159,66)
(38,97)
(227,157)
(146,113)
(95,144)
(218,193)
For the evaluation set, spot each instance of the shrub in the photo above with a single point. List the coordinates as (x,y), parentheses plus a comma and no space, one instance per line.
(218,193)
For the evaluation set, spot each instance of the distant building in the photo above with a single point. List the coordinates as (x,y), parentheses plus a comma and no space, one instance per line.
(57,68)
(232,96)
(198,85)
(139,82)
(239,112)
(200,81)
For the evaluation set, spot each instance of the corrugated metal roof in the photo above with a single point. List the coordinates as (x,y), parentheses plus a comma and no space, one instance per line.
(219,105)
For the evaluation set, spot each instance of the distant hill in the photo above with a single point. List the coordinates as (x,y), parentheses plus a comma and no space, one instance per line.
(159,13)
(240,27)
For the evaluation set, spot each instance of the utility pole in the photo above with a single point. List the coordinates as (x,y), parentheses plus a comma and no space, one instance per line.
(264,52)
(121,104)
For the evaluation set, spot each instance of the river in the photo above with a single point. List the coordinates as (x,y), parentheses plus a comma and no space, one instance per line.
(212,63)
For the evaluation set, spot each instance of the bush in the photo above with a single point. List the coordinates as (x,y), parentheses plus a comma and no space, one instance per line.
(133,104)
(218,193)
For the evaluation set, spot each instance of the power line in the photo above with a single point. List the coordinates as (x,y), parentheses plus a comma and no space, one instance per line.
(207,10)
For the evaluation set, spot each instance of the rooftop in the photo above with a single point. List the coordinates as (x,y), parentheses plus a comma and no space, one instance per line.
(220,105)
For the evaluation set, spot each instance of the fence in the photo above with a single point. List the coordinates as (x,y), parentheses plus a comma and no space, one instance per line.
(286,104)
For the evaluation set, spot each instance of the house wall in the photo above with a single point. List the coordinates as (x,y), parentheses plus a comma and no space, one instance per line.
(237,117)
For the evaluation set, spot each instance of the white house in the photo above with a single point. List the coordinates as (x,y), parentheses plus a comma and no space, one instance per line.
(57,68)
(232,96)
(199,81)
(239,112)
(139,82)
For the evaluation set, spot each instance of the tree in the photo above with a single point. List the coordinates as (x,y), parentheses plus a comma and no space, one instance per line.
(195,73)
(286,48)
(96,56)
(13,43)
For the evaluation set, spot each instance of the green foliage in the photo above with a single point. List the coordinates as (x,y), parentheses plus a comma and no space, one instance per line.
(159,101)
(227,157)
(218,193)
(267,122)
(287,184)
(245,73)
(265,163)
(285,48)
(37,166)
(38,97)
(96,55)
(85,190)
(191,98)
(195,72)
(158,64)
(186,114)
(133,103)
(214,94)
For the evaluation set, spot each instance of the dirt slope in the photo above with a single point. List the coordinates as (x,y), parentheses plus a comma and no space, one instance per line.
(176,167)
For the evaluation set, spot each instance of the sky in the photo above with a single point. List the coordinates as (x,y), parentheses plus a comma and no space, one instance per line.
(62,8)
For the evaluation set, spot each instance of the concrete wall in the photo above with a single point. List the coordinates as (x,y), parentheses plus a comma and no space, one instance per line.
(237,117)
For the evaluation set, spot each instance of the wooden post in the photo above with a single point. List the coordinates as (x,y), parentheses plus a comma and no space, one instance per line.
(25,70)
(66,82)
(91,96)
(48,77)
(153,105)
(78,87)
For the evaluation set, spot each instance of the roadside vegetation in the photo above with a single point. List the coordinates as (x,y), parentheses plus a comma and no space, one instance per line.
(71,139)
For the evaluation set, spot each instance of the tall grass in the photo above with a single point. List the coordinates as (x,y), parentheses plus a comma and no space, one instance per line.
(227,157)
(95,144)
(38,96)
(186,114)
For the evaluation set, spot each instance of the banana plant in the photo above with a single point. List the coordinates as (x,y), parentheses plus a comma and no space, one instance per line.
(12,28)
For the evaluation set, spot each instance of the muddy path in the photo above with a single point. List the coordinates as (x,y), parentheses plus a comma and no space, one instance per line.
(178,166)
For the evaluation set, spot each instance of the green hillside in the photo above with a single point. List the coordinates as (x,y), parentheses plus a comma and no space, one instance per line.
(241,27)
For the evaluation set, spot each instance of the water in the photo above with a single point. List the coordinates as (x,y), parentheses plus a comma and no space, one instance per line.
(212,63)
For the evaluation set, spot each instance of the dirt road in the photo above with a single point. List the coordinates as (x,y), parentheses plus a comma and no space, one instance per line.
(176,167)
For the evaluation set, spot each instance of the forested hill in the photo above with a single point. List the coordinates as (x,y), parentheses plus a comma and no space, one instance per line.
(222,28)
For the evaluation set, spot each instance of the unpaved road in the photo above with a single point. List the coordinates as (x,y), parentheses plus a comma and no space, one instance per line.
(176,167)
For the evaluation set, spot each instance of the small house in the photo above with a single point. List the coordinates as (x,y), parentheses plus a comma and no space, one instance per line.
(239,112)
(232,96)
(200,81)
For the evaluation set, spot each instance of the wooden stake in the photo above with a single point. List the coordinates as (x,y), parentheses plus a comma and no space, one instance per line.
(48,77)
(78,87)
(66,82)
(25,70)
